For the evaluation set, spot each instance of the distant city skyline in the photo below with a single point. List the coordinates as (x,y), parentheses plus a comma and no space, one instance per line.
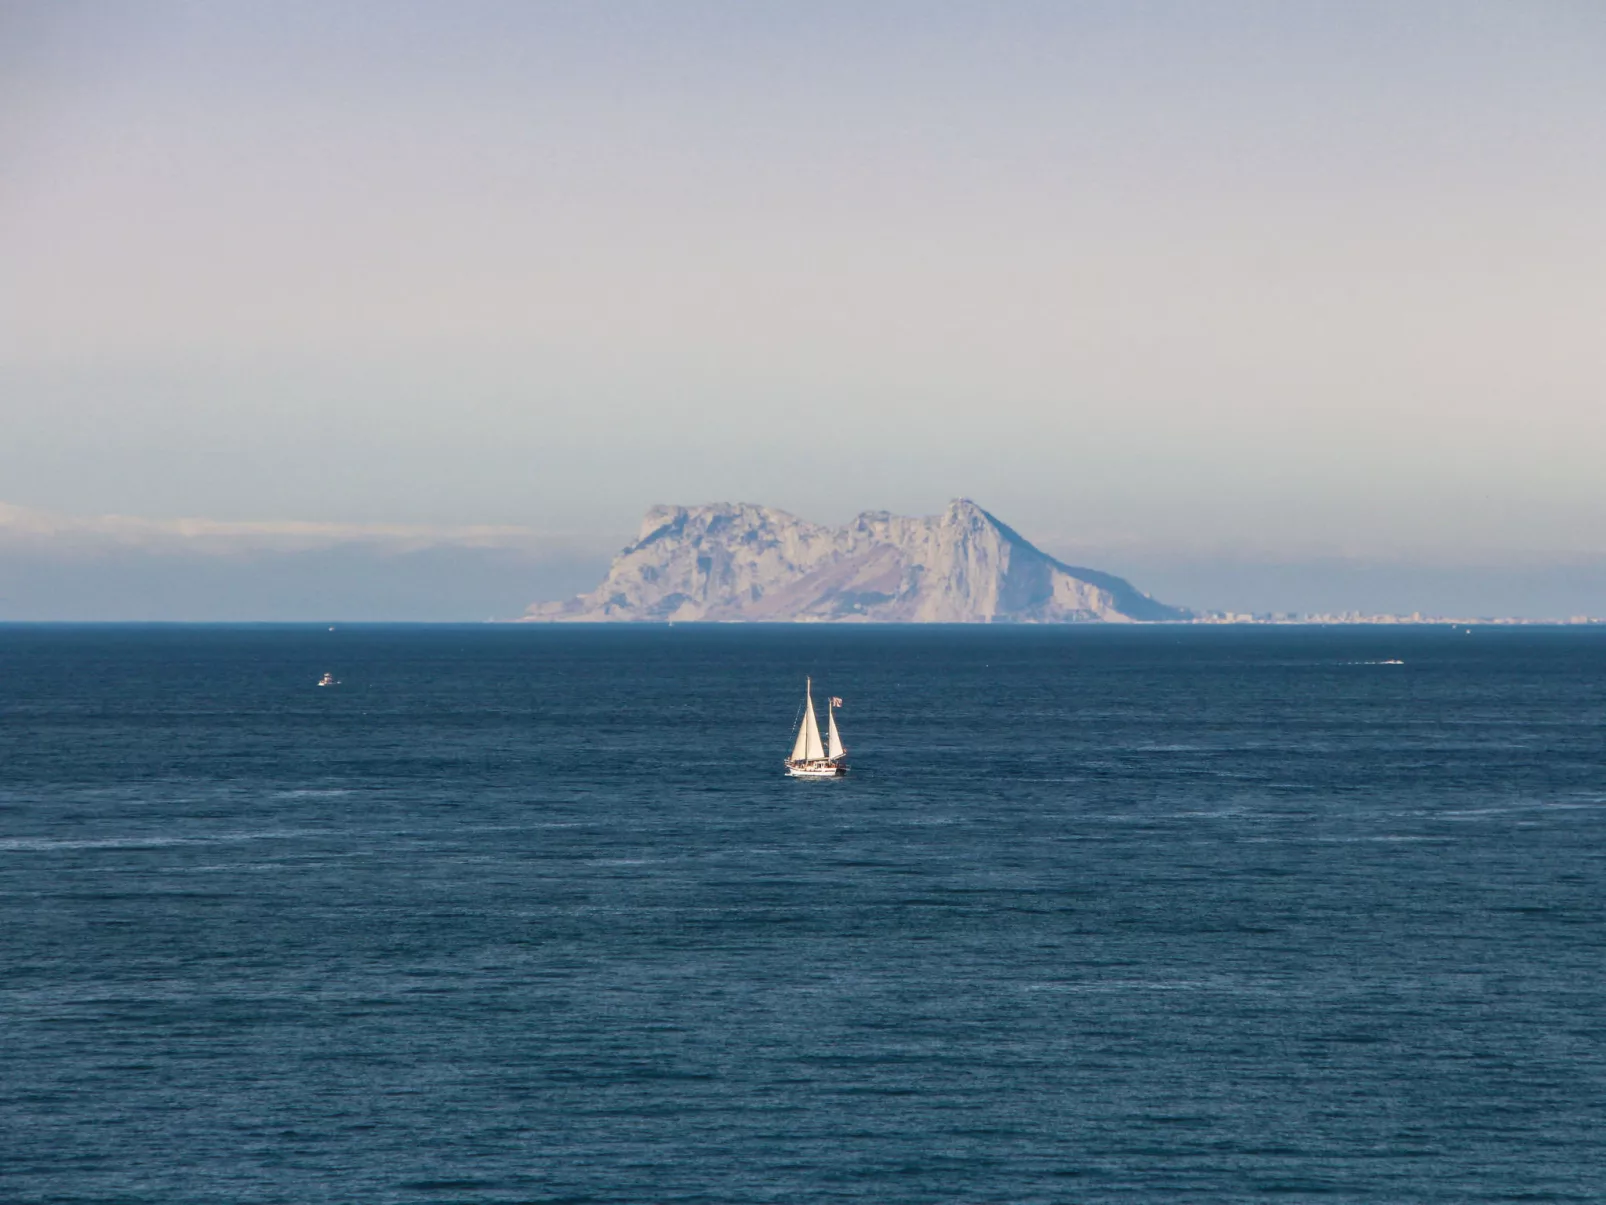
(1284,292)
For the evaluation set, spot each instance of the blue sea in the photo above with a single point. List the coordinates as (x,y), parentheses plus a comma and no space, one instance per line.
(528,914)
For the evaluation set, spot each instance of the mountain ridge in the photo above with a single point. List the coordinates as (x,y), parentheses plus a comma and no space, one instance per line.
(726,561)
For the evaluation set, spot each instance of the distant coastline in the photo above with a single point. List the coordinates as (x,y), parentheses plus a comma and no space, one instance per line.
(1415,618)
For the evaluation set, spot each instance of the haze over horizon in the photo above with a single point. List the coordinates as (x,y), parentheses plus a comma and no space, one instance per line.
(123,568)
(1285,307)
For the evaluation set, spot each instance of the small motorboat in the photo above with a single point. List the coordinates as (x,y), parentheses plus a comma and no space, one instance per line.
(328,680)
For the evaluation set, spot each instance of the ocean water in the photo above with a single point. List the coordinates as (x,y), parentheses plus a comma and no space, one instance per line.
(525,914)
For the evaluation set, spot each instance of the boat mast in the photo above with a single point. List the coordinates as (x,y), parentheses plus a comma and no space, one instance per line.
(808,747)
(800,747)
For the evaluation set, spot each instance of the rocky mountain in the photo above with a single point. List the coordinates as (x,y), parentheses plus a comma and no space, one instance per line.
(738,561)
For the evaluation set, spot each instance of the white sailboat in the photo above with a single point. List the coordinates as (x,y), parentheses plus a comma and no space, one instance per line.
(809,758)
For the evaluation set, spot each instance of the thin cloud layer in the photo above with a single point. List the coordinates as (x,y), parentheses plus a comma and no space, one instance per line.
(37,530)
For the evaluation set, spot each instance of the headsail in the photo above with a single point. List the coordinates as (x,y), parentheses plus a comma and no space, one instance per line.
(808,747)
(834,748)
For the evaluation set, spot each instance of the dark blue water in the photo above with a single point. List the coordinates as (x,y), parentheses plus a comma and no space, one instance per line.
(515,914)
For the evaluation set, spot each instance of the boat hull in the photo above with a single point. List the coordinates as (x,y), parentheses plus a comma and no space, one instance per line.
(815,769)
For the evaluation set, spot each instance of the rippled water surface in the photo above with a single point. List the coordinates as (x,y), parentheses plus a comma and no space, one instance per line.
(522,914)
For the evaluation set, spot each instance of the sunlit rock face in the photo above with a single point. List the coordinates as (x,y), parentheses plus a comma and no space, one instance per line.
(737,561)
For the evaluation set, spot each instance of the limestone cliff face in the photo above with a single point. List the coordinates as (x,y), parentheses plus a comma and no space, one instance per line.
(738,561)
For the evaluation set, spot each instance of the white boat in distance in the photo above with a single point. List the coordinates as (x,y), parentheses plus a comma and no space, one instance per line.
(809,759)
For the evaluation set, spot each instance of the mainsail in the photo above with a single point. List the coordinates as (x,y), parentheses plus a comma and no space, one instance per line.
(835,747)
(807,746)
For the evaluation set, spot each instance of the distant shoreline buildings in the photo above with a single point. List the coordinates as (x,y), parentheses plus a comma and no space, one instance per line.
(1361,617)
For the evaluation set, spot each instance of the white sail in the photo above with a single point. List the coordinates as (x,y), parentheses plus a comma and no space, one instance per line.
(800,747)
(807,746)
(834,748)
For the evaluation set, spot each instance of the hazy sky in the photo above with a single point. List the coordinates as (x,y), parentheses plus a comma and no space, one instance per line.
(1292,278)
